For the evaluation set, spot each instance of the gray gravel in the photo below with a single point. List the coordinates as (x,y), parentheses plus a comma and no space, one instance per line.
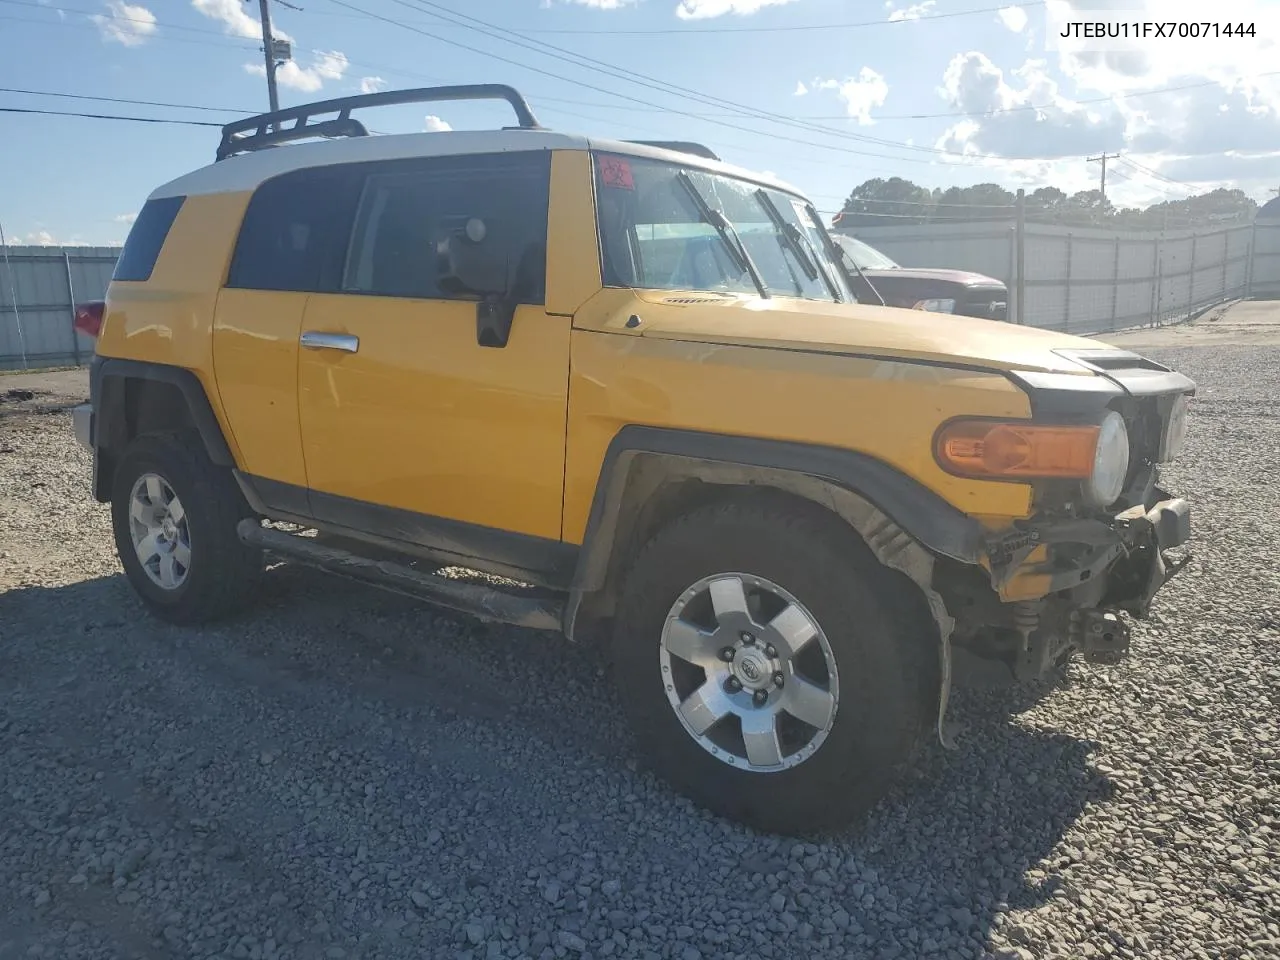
(348,774)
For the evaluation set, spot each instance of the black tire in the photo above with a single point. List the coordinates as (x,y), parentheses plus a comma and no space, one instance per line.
(882,650)
(224,573)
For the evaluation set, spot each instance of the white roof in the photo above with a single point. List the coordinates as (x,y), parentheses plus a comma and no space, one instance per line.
(247,171)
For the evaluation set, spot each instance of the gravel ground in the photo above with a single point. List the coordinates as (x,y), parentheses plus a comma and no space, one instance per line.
(350,774)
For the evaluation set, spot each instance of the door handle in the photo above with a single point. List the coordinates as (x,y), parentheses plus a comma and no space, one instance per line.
(316,340)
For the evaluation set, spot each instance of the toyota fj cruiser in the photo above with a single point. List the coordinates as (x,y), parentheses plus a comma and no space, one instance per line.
(633,378)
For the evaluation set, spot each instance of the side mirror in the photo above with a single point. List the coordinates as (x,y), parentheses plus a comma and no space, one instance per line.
(473,262)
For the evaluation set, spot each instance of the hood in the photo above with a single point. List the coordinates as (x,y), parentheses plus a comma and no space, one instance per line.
(961,277)
(859,329)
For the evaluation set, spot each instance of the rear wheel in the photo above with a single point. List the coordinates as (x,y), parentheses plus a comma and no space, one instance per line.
(765,666)
(174,515)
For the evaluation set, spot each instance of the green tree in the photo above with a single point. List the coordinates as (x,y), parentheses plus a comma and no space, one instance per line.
(880,201)
(982,201)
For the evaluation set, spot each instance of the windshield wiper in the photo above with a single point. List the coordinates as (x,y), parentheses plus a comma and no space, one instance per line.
(799,244)
(728,235)
(838,255)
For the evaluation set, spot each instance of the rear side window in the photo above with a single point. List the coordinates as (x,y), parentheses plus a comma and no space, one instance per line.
(408,210)
(294,235)
(142,248)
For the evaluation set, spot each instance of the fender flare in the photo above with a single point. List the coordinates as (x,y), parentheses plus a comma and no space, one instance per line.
(107,377)
(938,526)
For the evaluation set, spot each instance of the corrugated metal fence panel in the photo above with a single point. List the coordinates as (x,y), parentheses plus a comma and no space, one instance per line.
(1077,279)
(1086,281)
(1266,260)
(47,282)
(984,247)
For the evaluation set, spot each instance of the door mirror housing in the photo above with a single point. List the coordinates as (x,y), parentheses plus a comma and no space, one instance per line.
(473,261)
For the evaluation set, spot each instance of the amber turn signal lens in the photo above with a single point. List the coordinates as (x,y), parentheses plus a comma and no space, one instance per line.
(981,448)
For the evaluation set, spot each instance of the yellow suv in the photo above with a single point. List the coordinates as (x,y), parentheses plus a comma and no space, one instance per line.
(634,378)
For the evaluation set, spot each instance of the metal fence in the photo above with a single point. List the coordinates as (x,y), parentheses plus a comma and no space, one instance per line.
(1089,280)
(1079,280)
(39,287)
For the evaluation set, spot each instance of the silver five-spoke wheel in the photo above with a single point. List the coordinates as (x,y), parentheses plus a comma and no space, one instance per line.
(749,672)
(159,531)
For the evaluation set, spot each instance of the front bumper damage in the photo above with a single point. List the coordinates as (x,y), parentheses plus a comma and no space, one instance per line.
(1064,583)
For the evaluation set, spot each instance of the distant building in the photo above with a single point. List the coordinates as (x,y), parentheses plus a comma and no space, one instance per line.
(1269,210)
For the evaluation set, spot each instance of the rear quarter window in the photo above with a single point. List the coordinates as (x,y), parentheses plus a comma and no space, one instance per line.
(295,232)
(142,248)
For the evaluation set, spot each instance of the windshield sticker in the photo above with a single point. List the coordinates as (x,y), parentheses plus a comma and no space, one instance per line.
(803,214)
(616,172)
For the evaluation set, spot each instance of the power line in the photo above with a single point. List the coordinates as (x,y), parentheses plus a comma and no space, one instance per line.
(1157,174)
(788,28)
(581,61)
(577,82)
(137,103)
(230,41)
(108,116)
(227,42)
(112,16)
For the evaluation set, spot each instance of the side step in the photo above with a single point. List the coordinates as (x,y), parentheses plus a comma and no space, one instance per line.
(483,603)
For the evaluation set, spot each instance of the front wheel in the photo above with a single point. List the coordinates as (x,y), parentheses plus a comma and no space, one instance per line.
(174,514)
(765,666)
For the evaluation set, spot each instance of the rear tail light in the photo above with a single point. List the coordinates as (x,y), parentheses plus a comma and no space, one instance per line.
(89,317)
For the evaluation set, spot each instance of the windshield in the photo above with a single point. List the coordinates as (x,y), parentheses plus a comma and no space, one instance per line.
(665,226)
(866,257)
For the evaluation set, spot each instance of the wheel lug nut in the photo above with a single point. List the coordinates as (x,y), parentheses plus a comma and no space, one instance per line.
(779,679)
(734,684)
(760,697)
(770,651)
(747,638)
(727,654)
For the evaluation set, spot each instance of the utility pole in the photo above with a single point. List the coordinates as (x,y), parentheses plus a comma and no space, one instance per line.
(269,54)
(1101,159)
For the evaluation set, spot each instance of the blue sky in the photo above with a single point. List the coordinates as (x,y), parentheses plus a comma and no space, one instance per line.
(824,93)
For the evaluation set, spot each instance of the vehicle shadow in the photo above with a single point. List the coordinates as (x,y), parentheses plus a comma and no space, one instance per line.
(968,835)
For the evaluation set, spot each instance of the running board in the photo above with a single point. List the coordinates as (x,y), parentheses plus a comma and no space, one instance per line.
(483,603)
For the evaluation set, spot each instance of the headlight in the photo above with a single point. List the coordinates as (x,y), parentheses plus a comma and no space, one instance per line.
(1175,431)
(936,306)
(1110,462)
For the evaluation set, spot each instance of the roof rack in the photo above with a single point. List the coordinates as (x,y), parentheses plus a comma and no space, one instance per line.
(679,146)
(265,130)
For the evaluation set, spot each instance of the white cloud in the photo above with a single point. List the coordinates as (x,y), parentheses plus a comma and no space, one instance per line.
(913,12)
(1062,127)
(1015,18)
(43,238)
(328,65)
(861,94)
(433,124)
(705,9)
(127,23)
(801,89)
(1221,129)
(372,84)
(125,218)
(231,14)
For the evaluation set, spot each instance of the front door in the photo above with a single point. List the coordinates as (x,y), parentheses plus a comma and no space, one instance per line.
(410,428)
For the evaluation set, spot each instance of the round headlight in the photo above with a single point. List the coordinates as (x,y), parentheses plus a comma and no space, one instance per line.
(1175,432)
(1110,462)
